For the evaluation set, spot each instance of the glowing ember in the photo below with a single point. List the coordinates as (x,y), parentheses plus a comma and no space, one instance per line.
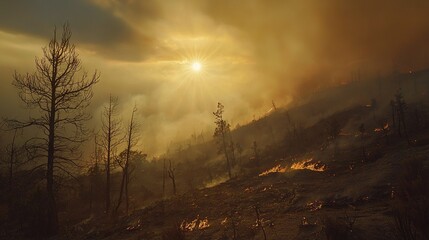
(310,165)
(276,169)
(195,224)
(385,127)
(134,226)
(314,206)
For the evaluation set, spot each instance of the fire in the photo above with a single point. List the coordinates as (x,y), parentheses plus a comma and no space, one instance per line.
(314,206)
(310,165)
(195,224)
(276,169)
(384,128)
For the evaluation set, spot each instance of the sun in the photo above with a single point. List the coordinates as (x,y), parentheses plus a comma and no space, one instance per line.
(196,66)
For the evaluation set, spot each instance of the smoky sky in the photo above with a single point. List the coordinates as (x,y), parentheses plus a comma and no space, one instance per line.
(106,33)
(326,40)
(252,52)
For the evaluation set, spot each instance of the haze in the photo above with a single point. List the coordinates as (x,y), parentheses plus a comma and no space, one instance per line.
(251,53)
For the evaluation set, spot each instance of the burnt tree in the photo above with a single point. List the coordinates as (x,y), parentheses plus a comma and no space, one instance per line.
(171,175)
(125,163)
(221,131)
(109,141)
(59,97)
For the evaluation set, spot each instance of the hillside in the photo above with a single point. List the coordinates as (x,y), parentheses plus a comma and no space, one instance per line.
(293,204)
(344,173)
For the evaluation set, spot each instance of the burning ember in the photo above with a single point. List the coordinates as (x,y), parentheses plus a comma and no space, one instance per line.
(384,128)
(276,169)
(314,206)
(195,224)
(134,226)
(310,165)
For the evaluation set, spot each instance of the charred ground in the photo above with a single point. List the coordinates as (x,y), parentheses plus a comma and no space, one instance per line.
(324,170)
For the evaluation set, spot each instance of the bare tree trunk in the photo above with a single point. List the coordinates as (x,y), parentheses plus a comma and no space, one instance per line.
(222,128)
(12,162)
(225,150)
(91,196)
(163,180)
(172,177)
(109,151)
(127,197)
(60,98)
(110,140)
(125,175)
(108,181)
(52,209)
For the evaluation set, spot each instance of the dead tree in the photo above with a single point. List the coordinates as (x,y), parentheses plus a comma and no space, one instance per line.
(12,154)
(95,174)
(125,165)
(221,131)
(111,138)
(60,97)
(164,170)
(13,161)
(171,175)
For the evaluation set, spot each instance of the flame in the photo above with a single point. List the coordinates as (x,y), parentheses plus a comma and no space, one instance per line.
(204,224)
(276,169)
(308,164)
(195,224)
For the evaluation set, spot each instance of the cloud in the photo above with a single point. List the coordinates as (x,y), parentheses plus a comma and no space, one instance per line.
(297,42)
(92,26)
(252,52)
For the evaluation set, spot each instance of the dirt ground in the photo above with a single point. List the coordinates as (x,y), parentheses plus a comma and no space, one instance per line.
(292,204)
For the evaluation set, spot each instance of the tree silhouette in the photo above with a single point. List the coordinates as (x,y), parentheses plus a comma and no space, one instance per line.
(95,176)
(110,139)
(125,164)
(221,131)
(13,160)
(171,175)
(59,97)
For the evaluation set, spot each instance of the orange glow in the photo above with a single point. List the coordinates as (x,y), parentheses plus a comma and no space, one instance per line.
(276,169)
(310,165)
